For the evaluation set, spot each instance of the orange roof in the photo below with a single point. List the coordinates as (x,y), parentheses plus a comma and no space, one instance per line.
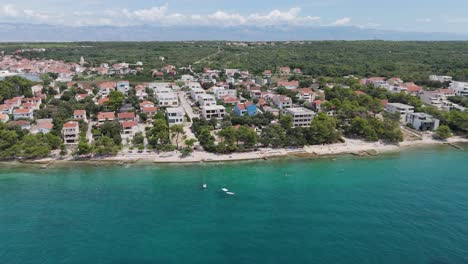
(150,109)
(129,124)
(360,92)
(384,102)
(22,111)
(126,115)
(105,85)
(79,112)
(286,83)
(106,115)
(70,124)
(103,101)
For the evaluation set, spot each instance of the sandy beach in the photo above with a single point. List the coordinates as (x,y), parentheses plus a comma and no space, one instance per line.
(351,146)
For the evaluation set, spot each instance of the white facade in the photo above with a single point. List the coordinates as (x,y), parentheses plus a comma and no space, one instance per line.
(195,92)
(155,86)
(460,88)
(167,99)
(123,87)
(175,115)
(221,92)
(301,117)
(442,79)
(422,121)
(214,111)
(206,100)
(194,85)
(402,109)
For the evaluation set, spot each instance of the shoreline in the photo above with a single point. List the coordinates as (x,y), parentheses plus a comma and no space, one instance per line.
(350,147)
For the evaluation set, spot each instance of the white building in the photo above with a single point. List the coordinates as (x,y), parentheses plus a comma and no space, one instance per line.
(155,86)
(195,92)
(402,109)
(123,87)
(167,99)
(282,101)
(422,121)
(206,100)
(301,116)
(221,92)
(175,115)
(22,114)
(214,111)
(460,88)
(194,85)
(162,90)
(442,79)
(71,133)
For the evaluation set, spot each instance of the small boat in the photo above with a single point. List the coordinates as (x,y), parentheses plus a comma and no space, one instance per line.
(230,193)
(204,186)
(224,190)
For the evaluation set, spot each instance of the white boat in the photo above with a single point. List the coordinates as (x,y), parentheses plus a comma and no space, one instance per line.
(230,193)
(204,186)
(224,190)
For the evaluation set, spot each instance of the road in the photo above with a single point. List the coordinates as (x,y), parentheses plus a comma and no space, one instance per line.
(186,105)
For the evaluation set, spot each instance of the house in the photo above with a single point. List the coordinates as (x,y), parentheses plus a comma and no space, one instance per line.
(162,90)
(32,106)
(305,94)
(4,118)
(282,101)
(175,115)
(272,110)
(80,115)
(221,92)
(255,94)
(149,110)
(23,114)
(43,126)
(71,133)
(159,85)
(6,109)
(422,121)
(105,116)
(103,101)
(187,78)
(412,88)
(442,79)
(285,70)
(105,88)
(267,73)
(288,84)
(297,71)
(229,100)
(248,108)
(15,102)
(402,109)
(129,128)
(195,92)
(194,85)
(359,93)
(81,97)
(24,124)
(460,88)
(146,104)
(140,92)
(126,116)
(36,89)
(301,116)
(206,100)
(123,87)
(214,111)
(167,99)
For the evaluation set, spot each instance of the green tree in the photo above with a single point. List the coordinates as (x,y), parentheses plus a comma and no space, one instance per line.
(443,132)
(323,130)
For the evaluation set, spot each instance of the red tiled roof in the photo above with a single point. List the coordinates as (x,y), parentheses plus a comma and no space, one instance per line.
(103,101)
(70,124)
(360,92)
(21,111)
(106,115)
(126,115)
(150,109)
(129,124)
(79,112)
(286,83)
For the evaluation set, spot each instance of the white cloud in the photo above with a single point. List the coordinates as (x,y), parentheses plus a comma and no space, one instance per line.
(342,21)
(11,11)
(8,10)
(458,20)
(424,20)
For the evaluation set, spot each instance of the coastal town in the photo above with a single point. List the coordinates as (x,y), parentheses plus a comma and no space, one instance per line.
(219,111)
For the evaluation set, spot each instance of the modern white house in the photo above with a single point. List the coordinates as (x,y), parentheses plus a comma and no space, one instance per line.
(195,92)
(301,116)
(123,87)
(422,121)
(167,99)
(194,85)
(221,92)
(206,100)
(158,85)
(442,79)
(282,101)
(175,115)
(214,111)
(402,109)
(460,88)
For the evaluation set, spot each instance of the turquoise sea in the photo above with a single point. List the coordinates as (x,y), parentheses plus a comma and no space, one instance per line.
(410,207)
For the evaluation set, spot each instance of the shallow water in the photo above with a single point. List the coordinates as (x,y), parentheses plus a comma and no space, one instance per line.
(401,208)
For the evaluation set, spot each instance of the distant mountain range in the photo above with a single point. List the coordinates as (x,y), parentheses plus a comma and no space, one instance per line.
(39,32)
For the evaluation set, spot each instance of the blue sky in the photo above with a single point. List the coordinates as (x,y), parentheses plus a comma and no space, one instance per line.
(406,15)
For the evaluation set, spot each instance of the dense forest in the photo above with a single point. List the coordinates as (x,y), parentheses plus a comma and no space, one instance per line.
(408,60)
